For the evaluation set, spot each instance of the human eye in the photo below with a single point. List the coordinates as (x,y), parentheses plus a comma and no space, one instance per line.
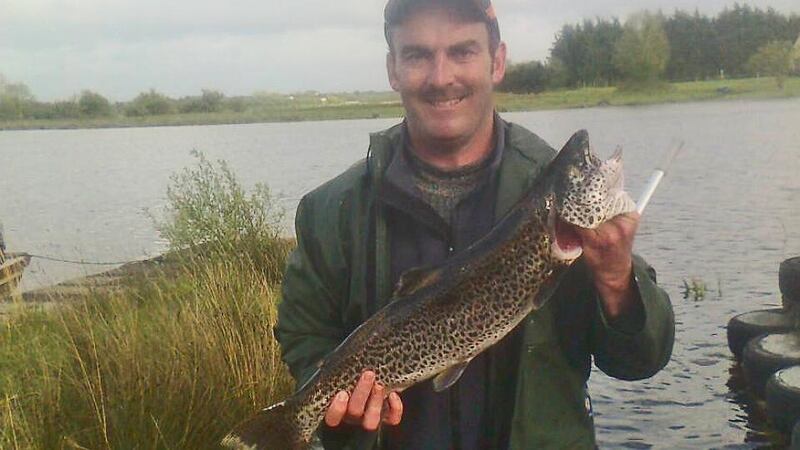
(413,55)
(463,52)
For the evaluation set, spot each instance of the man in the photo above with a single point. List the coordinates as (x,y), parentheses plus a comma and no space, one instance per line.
(428,188)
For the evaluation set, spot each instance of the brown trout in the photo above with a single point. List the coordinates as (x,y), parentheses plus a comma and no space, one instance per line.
(440,318)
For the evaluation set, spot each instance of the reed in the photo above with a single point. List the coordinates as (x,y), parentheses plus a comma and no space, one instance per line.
(170,363)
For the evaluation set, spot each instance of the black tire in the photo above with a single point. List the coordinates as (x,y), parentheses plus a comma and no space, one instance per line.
(796,436)
(765,355)
(783,398)
(789,279)
(744,327)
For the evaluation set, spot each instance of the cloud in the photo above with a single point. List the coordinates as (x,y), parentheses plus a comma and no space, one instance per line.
(235,64)
(122,47)
(49,22)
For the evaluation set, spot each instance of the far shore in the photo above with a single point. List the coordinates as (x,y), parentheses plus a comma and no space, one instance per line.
(388,105)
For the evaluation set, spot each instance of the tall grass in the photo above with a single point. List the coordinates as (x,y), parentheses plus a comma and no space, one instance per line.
(170,361)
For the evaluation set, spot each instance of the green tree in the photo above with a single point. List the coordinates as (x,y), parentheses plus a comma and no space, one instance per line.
(16,100)
(92,104)
(584,51)
(773,59)
(743,30)
(149,103)
(642,53)
(694,47)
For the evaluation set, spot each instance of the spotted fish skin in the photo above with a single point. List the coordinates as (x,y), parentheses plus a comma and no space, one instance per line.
(443,317)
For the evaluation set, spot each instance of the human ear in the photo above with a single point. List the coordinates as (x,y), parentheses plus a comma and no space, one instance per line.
(499,63)
(391,71)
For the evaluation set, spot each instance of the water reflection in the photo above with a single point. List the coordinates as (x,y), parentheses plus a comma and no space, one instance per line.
(752,416)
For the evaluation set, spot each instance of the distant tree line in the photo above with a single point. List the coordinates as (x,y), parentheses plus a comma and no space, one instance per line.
(680,47)
(17,102)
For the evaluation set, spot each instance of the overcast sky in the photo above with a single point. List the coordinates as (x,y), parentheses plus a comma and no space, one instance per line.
(122,47)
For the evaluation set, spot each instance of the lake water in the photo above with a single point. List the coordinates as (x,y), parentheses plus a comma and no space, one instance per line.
(726,216)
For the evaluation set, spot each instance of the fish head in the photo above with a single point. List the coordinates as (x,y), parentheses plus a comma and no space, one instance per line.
(585,192)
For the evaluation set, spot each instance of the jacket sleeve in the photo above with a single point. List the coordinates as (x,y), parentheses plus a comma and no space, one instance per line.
(637,346)
(309,320)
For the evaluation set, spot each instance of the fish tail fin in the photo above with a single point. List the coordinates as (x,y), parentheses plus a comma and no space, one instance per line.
(269,429)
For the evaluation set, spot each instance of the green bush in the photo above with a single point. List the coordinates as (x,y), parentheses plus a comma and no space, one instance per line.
(92,104)
(16,100)
(210,215)
(149,103)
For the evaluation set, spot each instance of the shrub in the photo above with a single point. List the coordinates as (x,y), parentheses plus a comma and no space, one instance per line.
(210,215)
(149,103)
(92,104)
(210,101)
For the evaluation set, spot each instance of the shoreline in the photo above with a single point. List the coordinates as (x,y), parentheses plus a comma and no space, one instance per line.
(590,97)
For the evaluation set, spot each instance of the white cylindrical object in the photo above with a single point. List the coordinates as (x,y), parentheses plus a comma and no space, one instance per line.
(652,184)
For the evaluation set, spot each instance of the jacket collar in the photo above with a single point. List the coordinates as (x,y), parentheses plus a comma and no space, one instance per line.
(397,187)
(523,156)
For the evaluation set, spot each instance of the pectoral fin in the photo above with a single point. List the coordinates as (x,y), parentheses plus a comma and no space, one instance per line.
(449,377)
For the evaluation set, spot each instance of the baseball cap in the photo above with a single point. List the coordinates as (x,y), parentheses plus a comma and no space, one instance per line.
(398,10)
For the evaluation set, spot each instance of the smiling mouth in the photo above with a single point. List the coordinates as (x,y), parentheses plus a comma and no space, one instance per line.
(447,102)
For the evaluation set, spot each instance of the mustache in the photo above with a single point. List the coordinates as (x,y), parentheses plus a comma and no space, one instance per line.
(433,94)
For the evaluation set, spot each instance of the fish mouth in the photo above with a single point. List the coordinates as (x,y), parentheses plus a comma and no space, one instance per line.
(567,244)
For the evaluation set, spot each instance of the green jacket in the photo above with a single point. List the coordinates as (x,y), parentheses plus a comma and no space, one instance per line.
(342,252)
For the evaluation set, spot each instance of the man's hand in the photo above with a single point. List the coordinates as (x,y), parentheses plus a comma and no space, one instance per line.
(607,252)
(367,406)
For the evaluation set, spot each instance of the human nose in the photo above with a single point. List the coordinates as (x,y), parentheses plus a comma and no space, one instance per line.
(441,73)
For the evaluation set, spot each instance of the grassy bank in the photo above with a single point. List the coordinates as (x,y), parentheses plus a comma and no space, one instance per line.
(752,88)
(387,105)
(167,364)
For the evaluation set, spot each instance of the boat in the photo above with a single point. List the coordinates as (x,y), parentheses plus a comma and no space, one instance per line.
(11,267)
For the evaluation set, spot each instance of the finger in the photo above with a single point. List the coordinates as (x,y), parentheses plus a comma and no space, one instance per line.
(589,236)
(394,409)
(633,215)
(612,233)
(372,413)
(360,395)
(626,228)
(629,222)
(337,409)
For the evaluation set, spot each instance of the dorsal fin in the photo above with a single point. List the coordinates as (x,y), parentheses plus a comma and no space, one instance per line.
(414,280)
(449,376)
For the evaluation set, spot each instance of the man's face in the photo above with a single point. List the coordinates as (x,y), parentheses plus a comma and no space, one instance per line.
(444,71)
